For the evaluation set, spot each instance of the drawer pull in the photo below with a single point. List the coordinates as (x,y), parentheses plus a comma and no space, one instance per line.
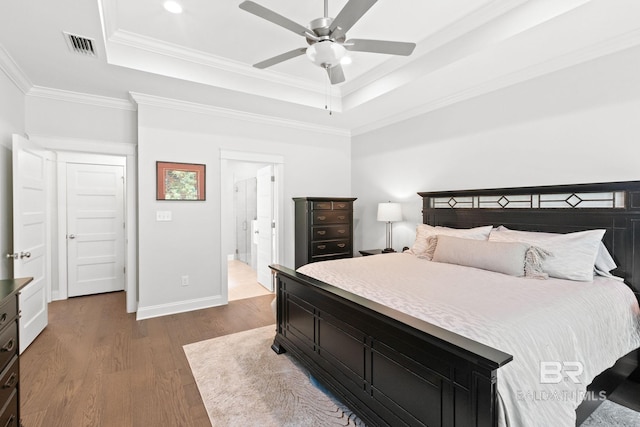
(3,318)
(341,206)
(341,217)
(342,231)
(342,245)
(9,345)
(322,246)
(322,232)
(322,218)
(11,381)
(10,421)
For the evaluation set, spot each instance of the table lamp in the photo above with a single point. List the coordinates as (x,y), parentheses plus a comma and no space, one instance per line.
(389,213)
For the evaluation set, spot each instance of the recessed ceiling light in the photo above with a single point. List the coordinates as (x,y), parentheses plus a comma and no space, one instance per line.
(173,6)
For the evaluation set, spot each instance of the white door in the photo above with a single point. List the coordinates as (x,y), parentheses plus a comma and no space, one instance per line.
(266,226)
(95,229)
(29,236)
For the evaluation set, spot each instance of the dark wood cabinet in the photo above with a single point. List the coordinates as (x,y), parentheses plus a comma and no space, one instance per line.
(9,351)
(323,228)
(368,252)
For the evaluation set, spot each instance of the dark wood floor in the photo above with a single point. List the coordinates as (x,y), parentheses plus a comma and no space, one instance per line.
(95,365)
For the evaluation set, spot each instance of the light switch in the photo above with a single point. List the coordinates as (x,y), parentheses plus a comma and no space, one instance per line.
(163,215)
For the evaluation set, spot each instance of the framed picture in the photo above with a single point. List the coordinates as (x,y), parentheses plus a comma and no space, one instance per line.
(180,181)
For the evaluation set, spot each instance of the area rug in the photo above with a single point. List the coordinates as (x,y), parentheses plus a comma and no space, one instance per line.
(244,383)
(611,414)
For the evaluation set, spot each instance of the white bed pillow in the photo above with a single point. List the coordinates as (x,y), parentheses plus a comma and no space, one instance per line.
(604,260)
(512,258)
(423,248)
(573,255)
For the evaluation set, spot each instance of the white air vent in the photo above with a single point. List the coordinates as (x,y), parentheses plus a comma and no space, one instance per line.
(80,44)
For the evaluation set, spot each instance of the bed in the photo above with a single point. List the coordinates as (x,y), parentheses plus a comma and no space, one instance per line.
(393,367)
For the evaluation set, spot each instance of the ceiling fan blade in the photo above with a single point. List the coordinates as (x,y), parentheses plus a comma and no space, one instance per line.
(271,16)
(348,16)
(280,58)
(336,74)
(380,46)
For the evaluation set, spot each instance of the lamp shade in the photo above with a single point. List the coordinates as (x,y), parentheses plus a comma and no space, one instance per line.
(326,54)
(389,212)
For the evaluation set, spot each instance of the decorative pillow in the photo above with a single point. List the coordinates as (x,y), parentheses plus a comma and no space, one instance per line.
(512,258)
(424,249)
(573,255)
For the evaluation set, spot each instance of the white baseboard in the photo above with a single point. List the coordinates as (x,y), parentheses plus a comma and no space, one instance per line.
(178,307)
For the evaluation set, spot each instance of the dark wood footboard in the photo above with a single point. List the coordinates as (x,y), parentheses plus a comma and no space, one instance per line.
(386,366)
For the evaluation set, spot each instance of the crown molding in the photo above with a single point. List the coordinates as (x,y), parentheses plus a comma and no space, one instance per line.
(183,53)
(606,47)
(14,72)
(81,98)
(192,107)
(108,17)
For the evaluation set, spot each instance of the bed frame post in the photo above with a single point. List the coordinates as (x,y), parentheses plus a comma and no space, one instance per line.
(277,284)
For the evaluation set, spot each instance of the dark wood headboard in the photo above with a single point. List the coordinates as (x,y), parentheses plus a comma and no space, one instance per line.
(613,206)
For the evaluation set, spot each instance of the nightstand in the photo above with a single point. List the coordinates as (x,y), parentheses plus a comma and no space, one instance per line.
(367,252)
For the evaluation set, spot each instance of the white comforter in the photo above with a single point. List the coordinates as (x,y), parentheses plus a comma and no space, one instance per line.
(592,323)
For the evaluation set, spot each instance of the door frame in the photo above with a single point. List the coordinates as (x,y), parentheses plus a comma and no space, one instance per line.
(63,158)
(226,209)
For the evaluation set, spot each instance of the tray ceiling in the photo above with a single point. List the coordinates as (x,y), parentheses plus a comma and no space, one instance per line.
(205,55)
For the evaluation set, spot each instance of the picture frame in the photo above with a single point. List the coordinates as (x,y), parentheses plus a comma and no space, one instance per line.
(180,181)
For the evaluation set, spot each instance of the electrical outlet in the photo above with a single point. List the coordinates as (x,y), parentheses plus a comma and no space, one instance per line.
(185,280)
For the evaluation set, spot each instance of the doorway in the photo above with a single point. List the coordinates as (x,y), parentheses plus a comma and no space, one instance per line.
(95,229)
(92,224)
(250,222)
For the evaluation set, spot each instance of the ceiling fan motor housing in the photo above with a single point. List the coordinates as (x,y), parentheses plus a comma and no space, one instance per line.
(320,27)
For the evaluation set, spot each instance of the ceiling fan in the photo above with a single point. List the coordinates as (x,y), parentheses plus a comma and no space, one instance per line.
(326,37)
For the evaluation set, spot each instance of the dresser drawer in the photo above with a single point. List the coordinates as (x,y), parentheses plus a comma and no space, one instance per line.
(341,205)
(321,205)
(331,248)
(331,217)
(8,344)
(330,232)
(9,415)
(8,311)
(9,380)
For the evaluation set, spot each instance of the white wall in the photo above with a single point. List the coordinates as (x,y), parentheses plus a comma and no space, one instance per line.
(12,120)
(75,119)
(315,164)
(578,125)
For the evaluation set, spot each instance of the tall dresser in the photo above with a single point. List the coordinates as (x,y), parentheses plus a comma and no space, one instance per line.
(323,228)
(9,354)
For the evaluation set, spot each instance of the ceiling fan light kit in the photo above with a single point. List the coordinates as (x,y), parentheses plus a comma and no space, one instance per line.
(326,37)
(173,6)
(326,54)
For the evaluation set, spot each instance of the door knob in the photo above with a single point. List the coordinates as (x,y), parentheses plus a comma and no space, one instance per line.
(72,236)
(25,255)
